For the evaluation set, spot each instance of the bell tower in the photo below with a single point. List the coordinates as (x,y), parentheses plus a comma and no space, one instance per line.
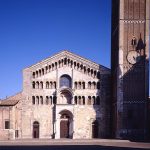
(130,68)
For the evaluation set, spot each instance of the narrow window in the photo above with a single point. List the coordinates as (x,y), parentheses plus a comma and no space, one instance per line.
(7,124)
(33,100)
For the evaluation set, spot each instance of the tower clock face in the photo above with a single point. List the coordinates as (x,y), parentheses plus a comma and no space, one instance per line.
(133,57)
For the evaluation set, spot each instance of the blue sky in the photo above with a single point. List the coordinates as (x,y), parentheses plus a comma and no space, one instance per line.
(31,30)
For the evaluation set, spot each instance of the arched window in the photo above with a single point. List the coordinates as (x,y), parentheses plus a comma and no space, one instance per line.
(42,71)
(41,99)
(33,74)
(89,85)
(65,81)
(36,129)
(37,100)
(47,100)
(33,100)
(37,85)
(41,85)
(89,100)
(75,85)
(33,85)
(47,85)
(83,100)
(79,100)
(75,100)
(50,85)
(83,85)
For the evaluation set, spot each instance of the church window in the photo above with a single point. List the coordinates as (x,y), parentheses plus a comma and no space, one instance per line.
(7,124)
(65,81)
(42,71)
(41,85)
(89,85)
(52,67)
(75,100)
(49,68)
(46,68)
(36,73)
(41,99)
(33,85)
(47,100)
(79,100)
(51,100)
(83,85)
(47,85)
(75,85)
(51,85)
(37,100)
(89,100)
(93,100)
(79,85)
(84,69)
(33,74)
(37,85)
(33,100)
(83,100)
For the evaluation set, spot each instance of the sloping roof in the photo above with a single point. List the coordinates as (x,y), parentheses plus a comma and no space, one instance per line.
(12,100)
(71,55)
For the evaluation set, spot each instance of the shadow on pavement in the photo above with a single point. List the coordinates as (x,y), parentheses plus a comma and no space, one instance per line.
(67,147)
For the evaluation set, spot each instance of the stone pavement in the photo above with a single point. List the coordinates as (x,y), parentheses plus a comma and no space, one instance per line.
(69,142)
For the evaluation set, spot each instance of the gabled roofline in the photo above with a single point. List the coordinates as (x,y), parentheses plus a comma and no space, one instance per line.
(61,52)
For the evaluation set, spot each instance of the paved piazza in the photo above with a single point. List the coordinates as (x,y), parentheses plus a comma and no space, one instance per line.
(94,144)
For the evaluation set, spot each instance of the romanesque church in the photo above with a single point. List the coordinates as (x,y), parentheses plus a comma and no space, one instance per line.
(69,96)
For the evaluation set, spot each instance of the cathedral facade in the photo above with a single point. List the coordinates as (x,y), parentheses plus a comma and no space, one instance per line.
(68,96)
(64,96)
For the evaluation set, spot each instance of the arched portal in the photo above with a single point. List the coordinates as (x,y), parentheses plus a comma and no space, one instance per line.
(36,129)
(66,126)
(95,129)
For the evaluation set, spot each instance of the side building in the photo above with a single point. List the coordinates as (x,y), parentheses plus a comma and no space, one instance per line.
(64,96)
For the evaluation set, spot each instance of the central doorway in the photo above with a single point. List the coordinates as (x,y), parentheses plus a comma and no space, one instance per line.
(66,124)
(64,129)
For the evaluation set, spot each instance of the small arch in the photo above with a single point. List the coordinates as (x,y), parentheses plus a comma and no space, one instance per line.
(41,85)
(39,72)
(75,85)
(83,100)
(33,100)
(47,85)
(47,100)
(49,68)
(79,85)
(79,100)
(37,100)
(33,85)
(33,75)
(89,100)
(89,85)
(41,100)
(51,85)
(93,100)
(51,100)
(37,85)
(75,100)
(42,71)
(46,69)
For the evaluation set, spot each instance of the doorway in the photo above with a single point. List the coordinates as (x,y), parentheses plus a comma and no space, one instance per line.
(95,129)
(36,129)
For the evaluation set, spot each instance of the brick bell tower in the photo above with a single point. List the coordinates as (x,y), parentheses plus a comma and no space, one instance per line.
(130,68)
